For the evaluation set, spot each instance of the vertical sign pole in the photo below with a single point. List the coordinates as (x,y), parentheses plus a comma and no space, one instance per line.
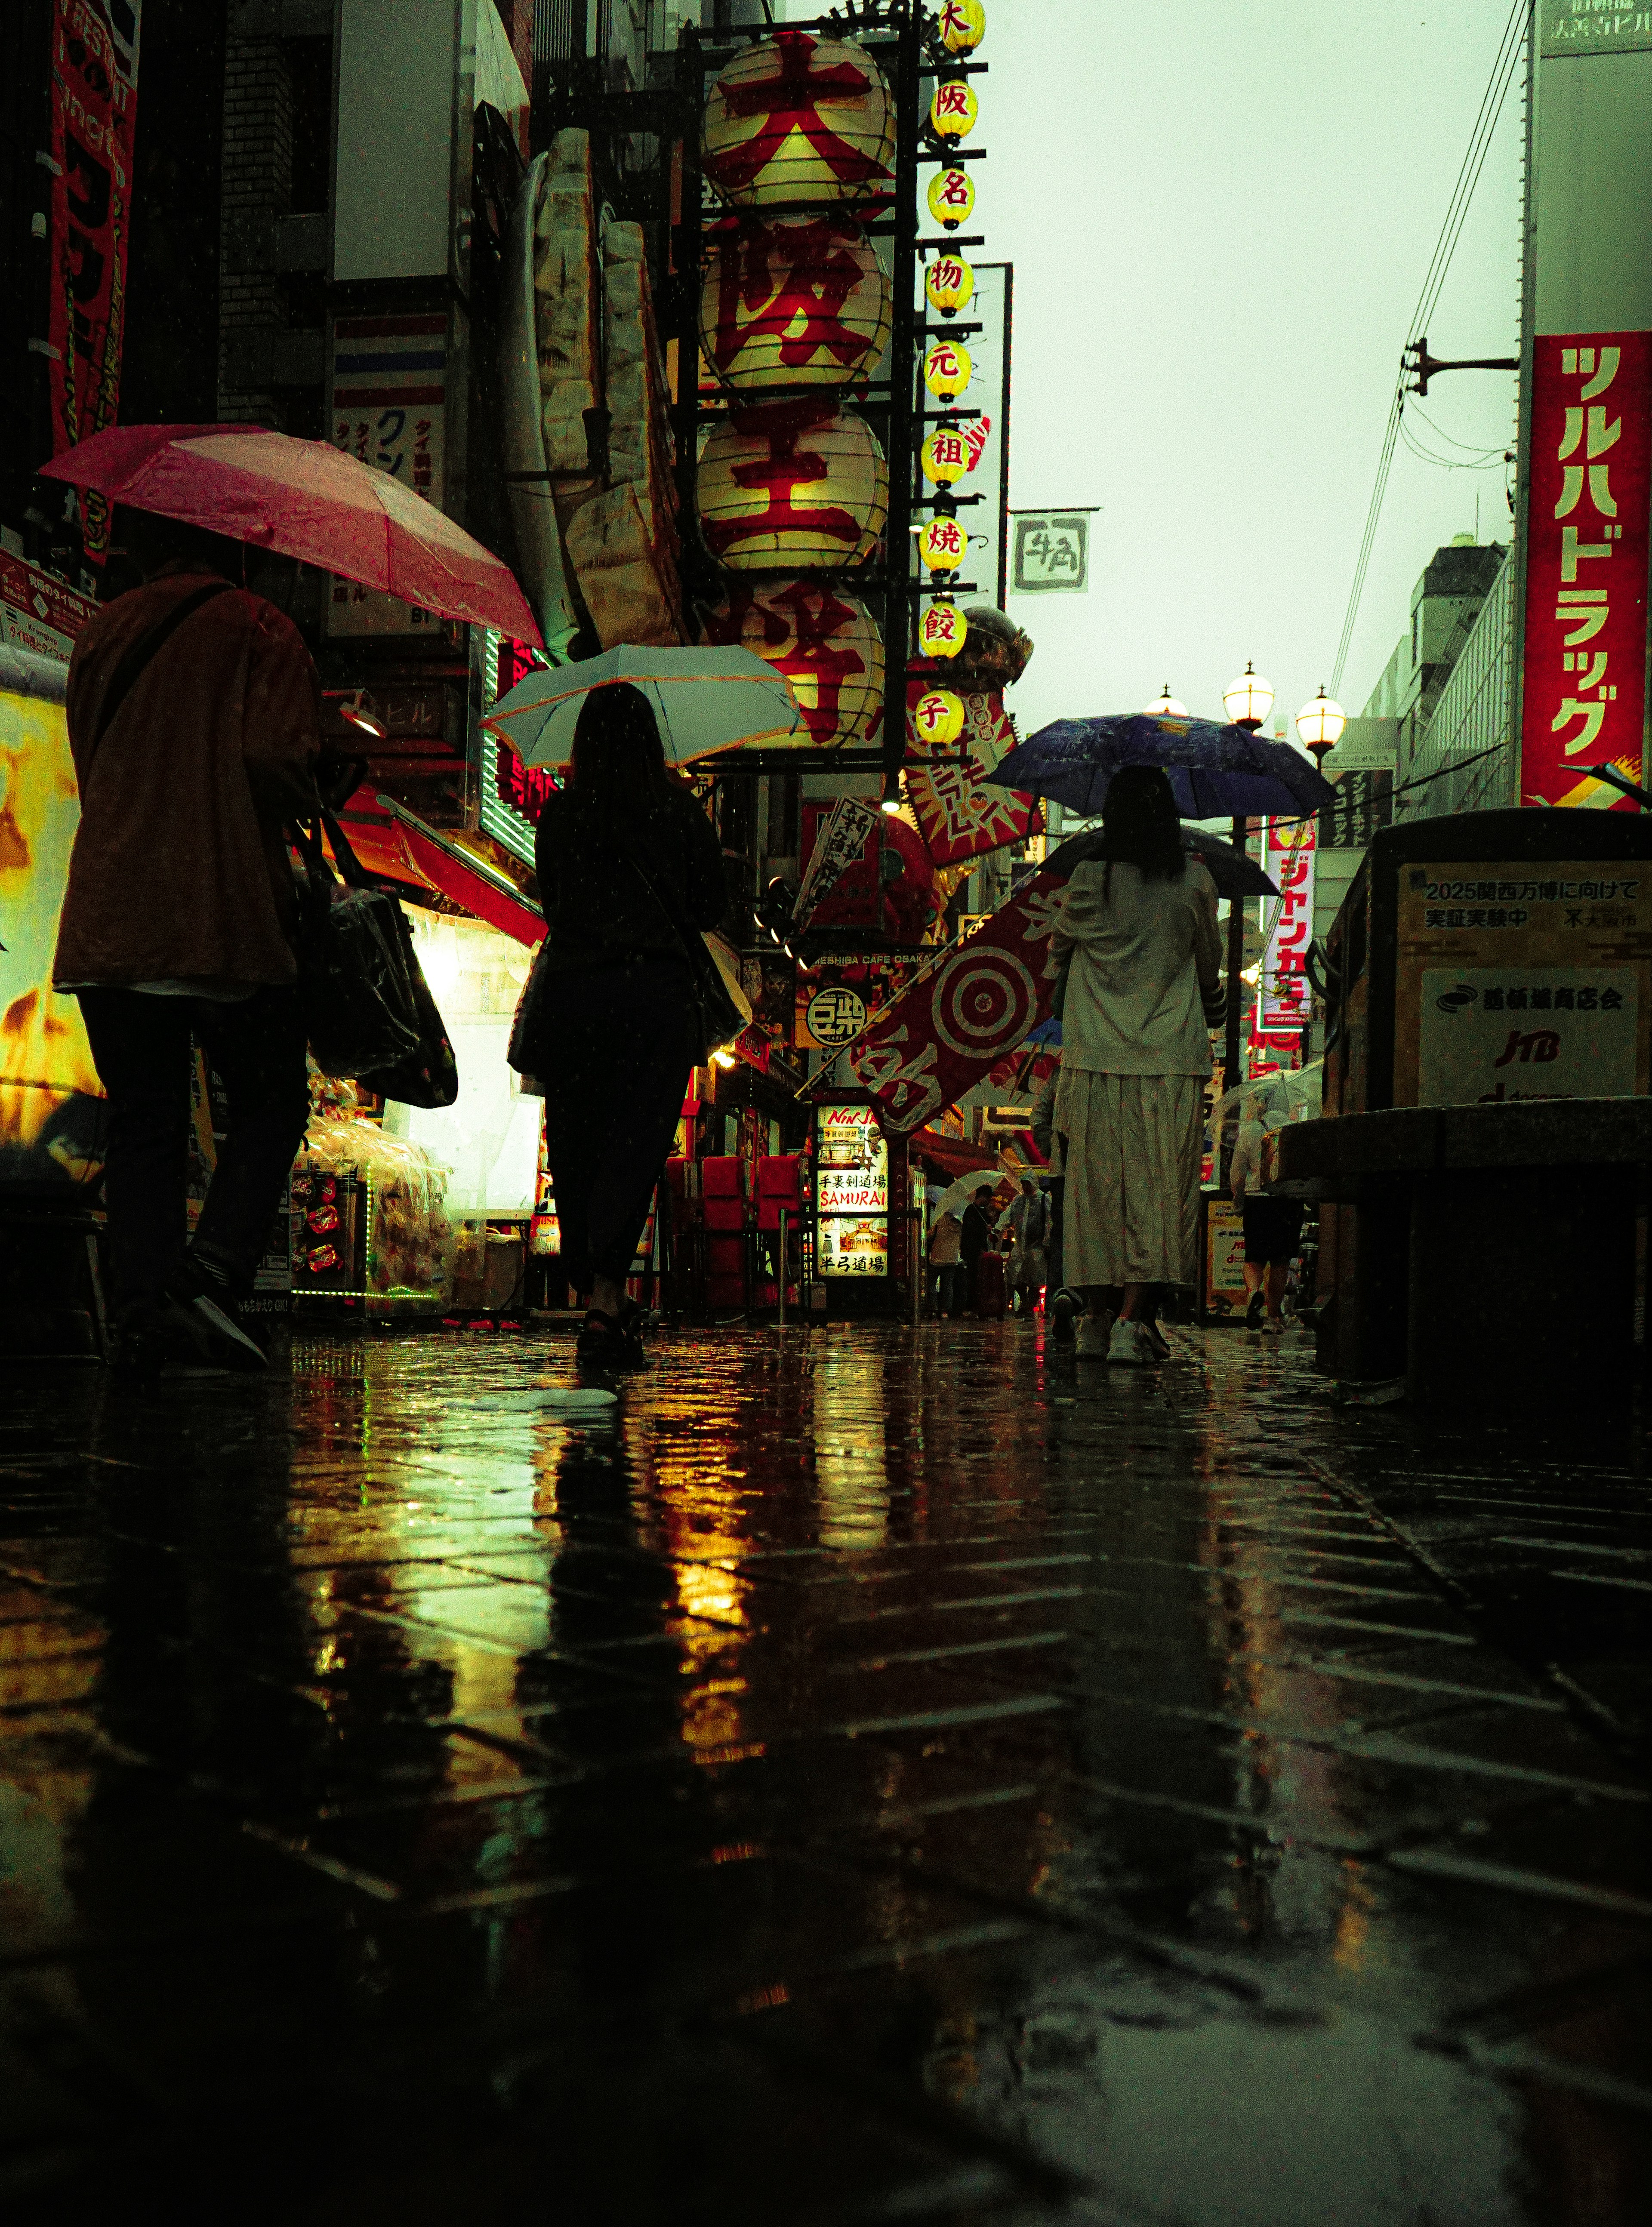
(780,1279)
(903,425)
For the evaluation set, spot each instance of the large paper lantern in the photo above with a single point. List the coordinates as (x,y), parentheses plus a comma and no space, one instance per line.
(792,485)
(961,25)
(949,282)
(796,302)
(799,118)
(827,646)
(951,198)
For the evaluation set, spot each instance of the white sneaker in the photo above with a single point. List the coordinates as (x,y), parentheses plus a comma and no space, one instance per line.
(1090,1337)
(1130,1345)
(1272,1326)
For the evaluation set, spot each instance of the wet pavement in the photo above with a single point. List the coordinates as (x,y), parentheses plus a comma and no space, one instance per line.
(859,1777)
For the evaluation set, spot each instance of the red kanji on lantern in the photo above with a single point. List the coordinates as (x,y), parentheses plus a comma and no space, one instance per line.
(771,276)
(785,469)
(789,103)
(800,630)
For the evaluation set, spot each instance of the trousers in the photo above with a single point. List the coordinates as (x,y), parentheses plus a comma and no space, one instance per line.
(618,1045)
(142,1045)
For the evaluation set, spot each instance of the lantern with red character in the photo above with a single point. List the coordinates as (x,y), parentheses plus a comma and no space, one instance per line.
(827,646)
(799,118)
(797,485)
(799,301)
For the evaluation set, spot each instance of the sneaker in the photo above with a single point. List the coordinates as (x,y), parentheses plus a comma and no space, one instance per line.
(1274,1326)
(197,1305)
(1064,1311)
(1256,1310)
(1157,1339)
(1090,1336)
(1129,1345)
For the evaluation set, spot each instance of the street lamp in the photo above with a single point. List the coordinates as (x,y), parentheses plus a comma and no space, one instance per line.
(1248,700)
(1165,706)
(1319,726)
(892,799)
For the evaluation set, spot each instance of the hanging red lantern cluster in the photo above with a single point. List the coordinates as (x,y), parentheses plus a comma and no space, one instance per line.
(798,141)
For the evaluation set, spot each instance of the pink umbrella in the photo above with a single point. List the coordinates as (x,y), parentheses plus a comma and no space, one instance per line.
(305,498)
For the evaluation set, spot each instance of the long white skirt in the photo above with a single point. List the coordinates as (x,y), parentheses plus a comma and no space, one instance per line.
(1129,1214)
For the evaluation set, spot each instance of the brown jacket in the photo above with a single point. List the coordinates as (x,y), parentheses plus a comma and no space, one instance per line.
(180,870)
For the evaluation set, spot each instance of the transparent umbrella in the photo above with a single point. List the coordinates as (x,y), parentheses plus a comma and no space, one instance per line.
(707,701)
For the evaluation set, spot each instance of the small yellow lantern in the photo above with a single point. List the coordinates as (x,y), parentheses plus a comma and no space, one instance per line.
(961,25)
(951,198)
(947,370)
(942,545)
(827,646)
(948,284)
(792,487)
(938,718)
(954,110)
(798,300)
(945,455)
(942,629)
(799,118)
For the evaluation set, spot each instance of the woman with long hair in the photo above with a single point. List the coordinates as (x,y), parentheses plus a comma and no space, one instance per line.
(630,869)
(1143,983)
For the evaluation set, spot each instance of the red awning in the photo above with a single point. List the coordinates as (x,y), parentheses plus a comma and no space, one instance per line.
(391,840)
(951,1156)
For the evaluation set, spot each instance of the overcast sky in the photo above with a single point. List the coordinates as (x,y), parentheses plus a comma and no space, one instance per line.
(1219,213)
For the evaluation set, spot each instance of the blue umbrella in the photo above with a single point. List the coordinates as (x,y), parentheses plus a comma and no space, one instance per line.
(1215,771)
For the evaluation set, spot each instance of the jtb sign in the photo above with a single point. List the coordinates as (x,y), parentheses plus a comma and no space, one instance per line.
(1585,591)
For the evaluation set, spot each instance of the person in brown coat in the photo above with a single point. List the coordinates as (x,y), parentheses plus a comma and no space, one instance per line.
(194,720)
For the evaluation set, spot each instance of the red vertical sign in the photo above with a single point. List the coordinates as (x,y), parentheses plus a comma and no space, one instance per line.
(93,89)
(1586,564)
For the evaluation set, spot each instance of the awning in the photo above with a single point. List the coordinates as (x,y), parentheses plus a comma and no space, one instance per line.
(951,1156)
(389,840)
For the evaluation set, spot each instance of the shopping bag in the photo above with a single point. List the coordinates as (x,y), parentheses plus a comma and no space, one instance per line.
(356,994)
(429,1075)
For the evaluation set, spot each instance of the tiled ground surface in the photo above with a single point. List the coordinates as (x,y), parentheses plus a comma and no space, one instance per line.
(859,1778)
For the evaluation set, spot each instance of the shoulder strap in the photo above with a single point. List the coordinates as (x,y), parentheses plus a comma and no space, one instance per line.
(139,655)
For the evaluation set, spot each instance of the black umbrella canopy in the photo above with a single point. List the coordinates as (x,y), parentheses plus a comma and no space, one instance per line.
(1234,874)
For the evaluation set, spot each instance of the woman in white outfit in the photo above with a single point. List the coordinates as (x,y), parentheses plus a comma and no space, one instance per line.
(1144,986)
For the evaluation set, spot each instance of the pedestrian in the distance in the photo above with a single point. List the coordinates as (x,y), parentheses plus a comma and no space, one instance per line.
(1024,1218)
(1272,1226)
(946,1258)
(976,1236)
(1144,986)
(194,719)
(630,869)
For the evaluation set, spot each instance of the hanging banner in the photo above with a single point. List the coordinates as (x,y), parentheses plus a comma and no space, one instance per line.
(1283,1004)
(953,1025)
(94,111)
(960,814)
(1586,566)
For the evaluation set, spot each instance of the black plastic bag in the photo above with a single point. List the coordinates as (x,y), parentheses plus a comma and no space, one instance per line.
(359,1006)
(429,1075)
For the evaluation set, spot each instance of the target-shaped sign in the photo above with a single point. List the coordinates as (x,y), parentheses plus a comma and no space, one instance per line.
(984,1003)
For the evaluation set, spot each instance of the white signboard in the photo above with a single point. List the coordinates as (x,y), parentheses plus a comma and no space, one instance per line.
(389,388)
(851,1193)
(1283,1004)
(1052,552)
(1490,1034)
(836,847)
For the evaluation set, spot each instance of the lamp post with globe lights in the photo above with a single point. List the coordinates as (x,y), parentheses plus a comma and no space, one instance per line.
(1319,726)
(1248,700)
(1165,706)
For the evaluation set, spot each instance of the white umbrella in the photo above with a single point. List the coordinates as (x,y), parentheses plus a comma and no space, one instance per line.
(706,700)
(957,1195)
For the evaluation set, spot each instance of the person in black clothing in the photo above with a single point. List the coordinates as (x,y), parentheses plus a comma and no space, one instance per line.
(629,869)
(978,1235)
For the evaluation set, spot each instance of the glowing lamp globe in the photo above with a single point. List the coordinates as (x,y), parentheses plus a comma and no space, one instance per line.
(945,455)
(1319,725)
(947,370)
(796,486)
(799,118)
(951,198)
(942,630)
(1248,700)
(942,545)
(794,301)
(961,25)
(954,110)
(1164,705)
(948,284)
(826,644)
(938,718)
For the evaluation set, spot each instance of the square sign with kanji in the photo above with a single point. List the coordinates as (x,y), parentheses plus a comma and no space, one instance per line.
(1052,551)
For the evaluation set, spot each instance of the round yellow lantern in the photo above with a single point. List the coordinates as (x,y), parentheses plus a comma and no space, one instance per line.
(942,630)
(961,25)
(938,718)
(798,485)
(942,545)
(799,118)
(951,198)
(827,646)
(954,110)
(948,284)
(794,301)
(945,455)
(947,370)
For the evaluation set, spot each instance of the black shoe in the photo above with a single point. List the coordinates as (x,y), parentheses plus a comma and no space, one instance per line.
(1256,1310)
(1157,1339)
(196,1304)
(1064,1308)
(605,1347)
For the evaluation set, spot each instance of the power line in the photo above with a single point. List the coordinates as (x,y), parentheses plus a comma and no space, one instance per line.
(1491,101)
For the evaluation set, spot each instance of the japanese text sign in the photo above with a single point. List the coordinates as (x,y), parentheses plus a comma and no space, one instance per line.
(1586,569)
(1052,551)
(1282,999)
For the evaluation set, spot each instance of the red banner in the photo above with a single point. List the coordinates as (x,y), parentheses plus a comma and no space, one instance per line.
(94,102)
(961,815)
(953,1025)
(1586,566)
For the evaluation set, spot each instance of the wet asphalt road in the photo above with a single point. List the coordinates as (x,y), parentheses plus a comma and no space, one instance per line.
(855,1778)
